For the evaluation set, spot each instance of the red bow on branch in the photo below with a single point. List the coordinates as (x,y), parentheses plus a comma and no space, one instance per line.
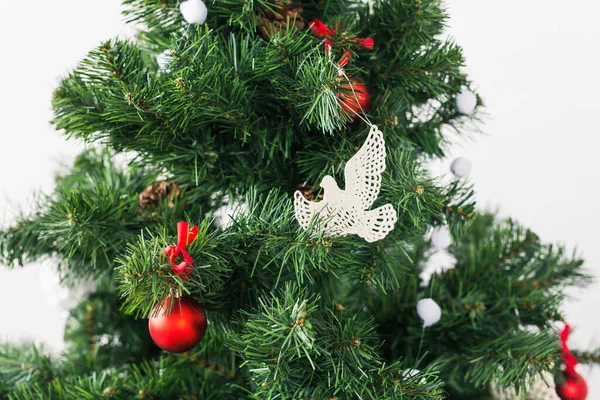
(322,30)
(567,356)
(185,237)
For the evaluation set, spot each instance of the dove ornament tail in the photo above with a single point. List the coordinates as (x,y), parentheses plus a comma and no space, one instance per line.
(346,212)
(378,223)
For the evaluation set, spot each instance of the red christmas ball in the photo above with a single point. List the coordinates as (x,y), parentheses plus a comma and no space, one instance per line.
(574,388)
(178,327)
(354,98)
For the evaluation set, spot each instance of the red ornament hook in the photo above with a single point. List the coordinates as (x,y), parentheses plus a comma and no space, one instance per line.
(567,356)
(185,237)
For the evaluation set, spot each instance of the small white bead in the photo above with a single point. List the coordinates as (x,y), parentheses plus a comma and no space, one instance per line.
(461,167)
(194,11)
(466,101)
(440,237)
(429,311)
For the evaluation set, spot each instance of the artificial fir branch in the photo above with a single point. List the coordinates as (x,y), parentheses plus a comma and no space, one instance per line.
(308,343)
(86,221)
(24,364)
(587,357)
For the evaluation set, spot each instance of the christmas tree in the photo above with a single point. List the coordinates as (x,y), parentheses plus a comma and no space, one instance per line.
(254,210)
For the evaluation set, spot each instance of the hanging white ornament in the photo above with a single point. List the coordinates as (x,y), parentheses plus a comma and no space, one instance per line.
(194,11)
(437,263)
(346,211)
(466,101)
(543,388)
(440,237)
(429,311)
(164,61)
(461,167)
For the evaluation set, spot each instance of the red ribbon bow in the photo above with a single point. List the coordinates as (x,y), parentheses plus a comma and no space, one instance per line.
(567,356)
(322,30)
(185,236)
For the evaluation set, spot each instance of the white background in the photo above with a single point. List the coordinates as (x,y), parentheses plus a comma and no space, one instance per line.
(534,62)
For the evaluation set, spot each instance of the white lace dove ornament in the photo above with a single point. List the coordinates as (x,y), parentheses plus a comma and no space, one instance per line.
(346,211)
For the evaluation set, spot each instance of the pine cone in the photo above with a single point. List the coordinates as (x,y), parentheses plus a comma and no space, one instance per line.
(278,16)
(152,195)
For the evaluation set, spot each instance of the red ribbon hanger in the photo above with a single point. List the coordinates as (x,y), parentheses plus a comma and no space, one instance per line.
(567,356)
(321,30)
(185,237)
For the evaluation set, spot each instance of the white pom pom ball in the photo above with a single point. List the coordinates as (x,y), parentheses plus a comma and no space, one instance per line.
(466,102)
(194,11)
(227,213)
(440,237)
(429,311)
(461,167)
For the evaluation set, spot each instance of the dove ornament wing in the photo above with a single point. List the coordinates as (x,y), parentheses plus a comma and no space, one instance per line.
(305,209)
(363,171)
